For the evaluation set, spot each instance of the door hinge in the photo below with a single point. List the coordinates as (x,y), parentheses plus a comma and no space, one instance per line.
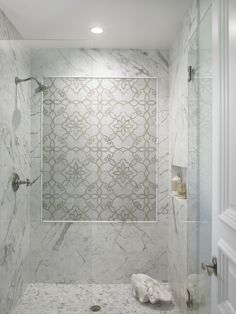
(189,301)
(190,73)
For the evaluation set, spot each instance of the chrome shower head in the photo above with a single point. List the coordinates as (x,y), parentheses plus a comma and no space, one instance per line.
(41,88)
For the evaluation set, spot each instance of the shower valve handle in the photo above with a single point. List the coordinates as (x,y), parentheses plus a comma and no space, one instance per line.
(16,182)
(27,182)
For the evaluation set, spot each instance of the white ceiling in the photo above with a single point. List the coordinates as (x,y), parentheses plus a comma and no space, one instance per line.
(126,23)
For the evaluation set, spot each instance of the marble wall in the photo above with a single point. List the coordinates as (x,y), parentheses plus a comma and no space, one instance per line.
(177,250)
(189,229)
(99,252)
(14,157)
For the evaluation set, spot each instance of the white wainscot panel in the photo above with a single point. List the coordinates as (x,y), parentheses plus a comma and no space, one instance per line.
(226,279)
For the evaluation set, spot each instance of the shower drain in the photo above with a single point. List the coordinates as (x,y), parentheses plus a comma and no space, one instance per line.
(95,308)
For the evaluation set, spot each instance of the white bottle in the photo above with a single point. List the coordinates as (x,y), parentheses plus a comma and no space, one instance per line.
(175,181)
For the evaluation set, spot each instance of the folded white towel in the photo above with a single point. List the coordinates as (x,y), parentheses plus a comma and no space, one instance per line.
(146,289)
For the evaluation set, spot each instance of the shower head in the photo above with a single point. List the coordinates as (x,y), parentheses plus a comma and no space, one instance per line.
(39,89)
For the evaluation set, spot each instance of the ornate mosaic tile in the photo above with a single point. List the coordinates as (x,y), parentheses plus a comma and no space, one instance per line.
(99,149)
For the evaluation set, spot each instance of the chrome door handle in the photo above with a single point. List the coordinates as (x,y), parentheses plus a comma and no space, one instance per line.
(210,268)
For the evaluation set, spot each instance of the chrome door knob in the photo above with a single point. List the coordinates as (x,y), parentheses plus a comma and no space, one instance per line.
(210,268)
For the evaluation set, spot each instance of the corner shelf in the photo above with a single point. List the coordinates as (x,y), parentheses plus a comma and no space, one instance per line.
(182,173)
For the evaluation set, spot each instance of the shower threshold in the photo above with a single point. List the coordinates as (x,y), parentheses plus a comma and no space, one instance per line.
(43,298)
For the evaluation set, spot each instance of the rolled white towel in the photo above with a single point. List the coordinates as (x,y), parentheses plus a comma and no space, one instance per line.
(146,289)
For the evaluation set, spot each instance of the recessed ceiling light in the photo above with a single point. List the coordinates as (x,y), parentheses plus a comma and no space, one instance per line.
(96,30)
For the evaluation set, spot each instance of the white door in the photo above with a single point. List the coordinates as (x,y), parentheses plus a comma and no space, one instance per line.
(224,155)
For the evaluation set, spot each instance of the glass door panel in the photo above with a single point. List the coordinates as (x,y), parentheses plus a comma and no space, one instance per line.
(199,166)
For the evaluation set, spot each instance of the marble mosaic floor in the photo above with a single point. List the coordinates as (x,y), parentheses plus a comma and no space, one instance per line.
(77,299)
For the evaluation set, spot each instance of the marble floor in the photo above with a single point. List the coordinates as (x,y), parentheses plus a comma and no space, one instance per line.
(77,299)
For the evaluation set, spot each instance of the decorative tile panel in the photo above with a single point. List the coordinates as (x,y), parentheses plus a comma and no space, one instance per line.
(99,149)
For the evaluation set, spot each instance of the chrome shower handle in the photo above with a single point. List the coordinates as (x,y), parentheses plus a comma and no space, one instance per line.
(16,182)
(27,182)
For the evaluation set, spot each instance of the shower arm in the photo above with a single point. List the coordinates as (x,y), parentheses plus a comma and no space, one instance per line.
(18,80)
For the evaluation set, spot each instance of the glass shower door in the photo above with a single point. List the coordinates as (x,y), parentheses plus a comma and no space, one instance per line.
(199,167)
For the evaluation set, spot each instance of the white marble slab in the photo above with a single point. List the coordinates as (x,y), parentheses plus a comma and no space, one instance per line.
(113,251)
(97,252)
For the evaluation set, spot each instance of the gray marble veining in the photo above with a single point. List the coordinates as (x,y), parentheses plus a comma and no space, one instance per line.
(128,63)
(14,157)
(97,252)
(105,252)
(7,29)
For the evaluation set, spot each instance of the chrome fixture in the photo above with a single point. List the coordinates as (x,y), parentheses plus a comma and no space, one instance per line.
(95,308)
(41,87)
(210,268)
(189,301)
(190,73)
(16,182)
